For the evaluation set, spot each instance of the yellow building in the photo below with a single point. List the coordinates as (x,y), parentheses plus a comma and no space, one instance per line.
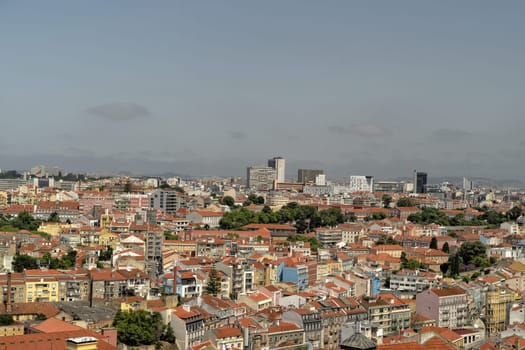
(54,228)
(108,239)
(14,329)
(259,274)
(180,247)
(133,304)
(41,289)
(3,200)
(497,303)
(82,343)
(270,274)
(322,270)
(334,267)
(105,221)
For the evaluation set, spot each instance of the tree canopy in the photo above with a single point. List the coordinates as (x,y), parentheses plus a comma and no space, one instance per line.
(23,221)
(214,282)
(228,200)
(136,328)
(68,261)
(314,242)
(428,216)
(305,218)
(54,217)
(22,262)
(6,320)
(473,253)
(405,202)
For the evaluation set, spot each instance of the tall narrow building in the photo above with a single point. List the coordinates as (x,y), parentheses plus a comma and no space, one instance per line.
(278,164)
(420,182)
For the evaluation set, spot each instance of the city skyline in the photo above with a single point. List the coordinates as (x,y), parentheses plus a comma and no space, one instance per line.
(211,88)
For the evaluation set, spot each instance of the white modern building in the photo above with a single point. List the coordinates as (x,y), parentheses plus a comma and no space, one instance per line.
(278,164)
(359,183)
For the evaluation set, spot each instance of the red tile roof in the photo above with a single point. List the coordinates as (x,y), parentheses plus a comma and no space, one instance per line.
(55,325)
(227,332)
(446,292)
(50,341)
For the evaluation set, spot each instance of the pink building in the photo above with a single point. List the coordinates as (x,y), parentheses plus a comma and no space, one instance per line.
(447,306)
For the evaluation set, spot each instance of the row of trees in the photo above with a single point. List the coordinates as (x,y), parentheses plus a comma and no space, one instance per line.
(489,218)
(23,221)
(470,256)
(23,262)
(304,218)
(252,199)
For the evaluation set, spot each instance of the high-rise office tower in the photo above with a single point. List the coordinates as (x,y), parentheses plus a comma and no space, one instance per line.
(420,182)
(278,164)
(308,175)
(361,183)
(467,184)
(261,178)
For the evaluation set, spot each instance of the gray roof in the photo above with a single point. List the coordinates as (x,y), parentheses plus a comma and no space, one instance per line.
(81,310)
(359,341)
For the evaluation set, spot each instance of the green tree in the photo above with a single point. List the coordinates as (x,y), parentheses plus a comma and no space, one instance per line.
(433,243)
(136,328)
(106,255)
(6,320)
(470,250)
(445,248)
(386,199)
(413,264)
(405,202)
(170,236)
(213,287)
(228,200)
(168,335)
(179,189)
(128,187)
(68,261)
(25,221)
(45,260)
(403,259)
(314,242)
(454,264)
(54,217)
(24,262)
(514,213)
(385,239)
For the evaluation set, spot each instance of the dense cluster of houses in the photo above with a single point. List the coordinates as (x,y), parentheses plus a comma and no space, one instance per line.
(157,250)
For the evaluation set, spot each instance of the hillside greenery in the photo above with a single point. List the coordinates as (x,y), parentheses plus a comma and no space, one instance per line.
(305,218)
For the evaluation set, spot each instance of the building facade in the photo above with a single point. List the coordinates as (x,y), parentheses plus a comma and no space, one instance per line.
(278,164)
(260,178)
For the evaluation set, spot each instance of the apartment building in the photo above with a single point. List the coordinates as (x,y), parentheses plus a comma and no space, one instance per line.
(167,201)
(414,280)
(498,302)
(329,237)
(447,306)
(188,326)
(41,286)
(388,311)
(261,178)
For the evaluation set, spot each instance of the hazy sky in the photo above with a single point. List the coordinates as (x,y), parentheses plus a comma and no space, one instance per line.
(210,87)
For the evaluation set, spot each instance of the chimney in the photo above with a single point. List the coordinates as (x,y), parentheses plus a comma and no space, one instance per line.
(8,307)
(175,280)
(246,338)
(110,335)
